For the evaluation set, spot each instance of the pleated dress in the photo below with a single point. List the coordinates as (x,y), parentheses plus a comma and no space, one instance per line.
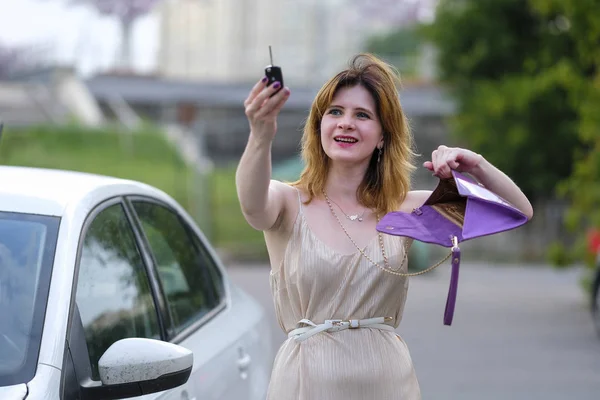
(316,283)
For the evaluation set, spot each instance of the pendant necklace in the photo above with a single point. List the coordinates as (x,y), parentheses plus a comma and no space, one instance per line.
(352,217)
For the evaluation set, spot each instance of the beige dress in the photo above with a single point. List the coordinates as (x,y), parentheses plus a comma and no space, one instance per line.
(317,283)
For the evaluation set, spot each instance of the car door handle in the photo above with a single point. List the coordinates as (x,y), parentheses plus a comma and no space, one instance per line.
(244,362)
(186,396)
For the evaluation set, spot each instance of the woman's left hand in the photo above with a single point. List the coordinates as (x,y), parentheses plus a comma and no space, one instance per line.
(445,159)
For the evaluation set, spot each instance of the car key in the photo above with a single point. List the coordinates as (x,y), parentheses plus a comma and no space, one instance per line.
(273,73)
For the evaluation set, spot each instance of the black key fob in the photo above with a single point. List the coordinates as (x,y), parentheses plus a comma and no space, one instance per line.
(273,74)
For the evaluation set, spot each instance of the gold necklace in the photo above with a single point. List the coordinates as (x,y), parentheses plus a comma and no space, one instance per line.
(353,217)
(386,267)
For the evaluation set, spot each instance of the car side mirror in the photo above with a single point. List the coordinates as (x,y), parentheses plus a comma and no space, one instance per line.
(136,366)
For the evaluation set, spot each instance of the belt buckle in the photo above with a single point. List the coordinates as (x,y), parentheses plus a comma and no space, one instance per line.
(338,325)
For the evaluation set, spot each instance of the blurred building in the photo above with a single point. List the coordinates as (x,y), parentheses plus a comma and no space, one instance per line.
(48,95)
(227,40)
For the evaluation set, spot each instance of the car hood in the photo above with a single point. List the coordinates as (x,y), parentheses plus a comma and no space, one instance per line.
(15,392)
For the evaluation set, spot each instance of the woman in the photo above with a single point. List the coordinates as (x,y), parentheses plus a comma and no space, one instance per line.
(327,260)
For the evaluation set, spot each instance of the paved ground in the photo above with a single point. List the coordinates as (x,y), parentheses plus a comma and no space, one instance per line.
(518,333)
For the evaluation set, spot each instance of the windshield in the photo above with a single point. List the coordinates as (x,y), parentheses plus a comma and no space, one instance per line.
(27,244)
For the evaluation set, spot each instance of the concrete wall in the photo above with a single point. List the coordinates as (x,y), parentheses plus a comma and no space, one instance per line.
(225,133)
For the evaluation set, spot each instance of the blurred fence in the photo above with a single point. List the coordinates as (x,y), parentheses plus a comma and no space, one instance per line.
(528,243)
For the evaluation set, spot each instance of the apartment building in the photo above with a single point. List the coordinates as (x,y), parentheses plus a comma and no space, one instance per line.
(227,40)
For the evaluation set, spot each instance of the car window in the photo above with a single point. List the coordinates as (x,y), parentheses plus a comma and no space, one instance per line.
(27,246)
(113,291)
(187,273)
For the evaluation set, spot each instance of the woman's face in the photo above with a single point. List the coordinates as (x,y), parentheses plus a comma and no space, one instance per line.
(350,128)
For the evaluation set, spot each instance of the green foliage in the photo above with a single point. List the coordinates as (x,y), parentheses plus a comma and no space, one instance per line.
(582,187)
(399,47)
(231,230)
(526,78)
(147,157)
(510,68)
(144,156)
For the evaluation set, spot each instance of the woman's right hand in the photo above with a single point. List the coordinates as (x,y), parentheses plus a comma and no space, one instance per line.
(262,110)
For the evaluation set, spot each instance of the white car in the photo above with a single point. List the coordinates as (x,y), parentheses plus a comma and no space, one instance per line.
(109,290)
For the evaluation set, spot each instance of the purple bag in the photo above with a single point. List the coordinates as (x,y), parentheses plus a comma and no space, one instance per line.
(459,209)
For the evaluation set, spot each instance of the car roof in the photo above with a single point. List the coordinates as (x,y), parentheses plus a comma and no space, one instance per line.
(52,191)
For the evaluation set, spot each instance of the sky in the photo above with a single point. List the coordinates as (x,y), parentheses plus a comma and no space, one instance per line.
(75,35)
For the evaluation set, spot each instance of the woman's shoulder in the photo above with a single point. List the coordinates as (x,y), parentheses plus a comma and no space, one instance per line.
(414,199)
(278,236)
(288,189)
(289,194)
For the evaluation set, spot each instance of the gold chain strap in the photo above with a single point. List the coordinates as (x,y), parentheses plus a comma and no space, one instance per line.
(385,259)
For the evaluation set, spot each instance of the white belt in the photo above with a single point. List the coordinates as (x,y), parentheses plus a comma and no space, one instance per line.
(336,325)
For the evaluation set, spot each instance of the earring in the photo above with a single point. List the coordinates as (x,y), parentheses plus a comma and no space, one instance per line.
(379,155)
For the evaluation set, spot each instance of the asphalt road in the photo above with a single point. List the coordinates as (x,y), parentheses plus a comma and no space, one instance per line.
(518,333)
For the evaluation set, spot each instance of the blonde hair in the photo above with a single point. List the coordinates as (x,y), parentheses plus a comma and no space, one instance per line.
(387,182)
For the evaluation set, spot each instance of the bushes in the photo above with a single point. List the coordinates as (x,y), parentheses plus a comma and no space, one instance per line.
(144,156)
(230,231)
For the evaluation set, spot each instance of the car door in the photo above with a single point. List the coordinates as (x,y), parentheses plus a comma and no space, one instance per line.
(114,292)
(200,318)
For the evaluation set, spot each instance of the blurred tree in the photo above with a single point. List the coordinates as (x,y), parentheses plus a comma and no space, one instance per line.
(526,79)
(397,12)
(401,41)
(9,61)
(398,41)
(127,12)
(400,47)
(581,21)
(15,59)
(510,69)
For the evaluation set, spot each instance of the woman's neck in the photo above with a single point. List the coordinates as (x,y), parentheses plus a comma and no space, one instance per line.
(342,183)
